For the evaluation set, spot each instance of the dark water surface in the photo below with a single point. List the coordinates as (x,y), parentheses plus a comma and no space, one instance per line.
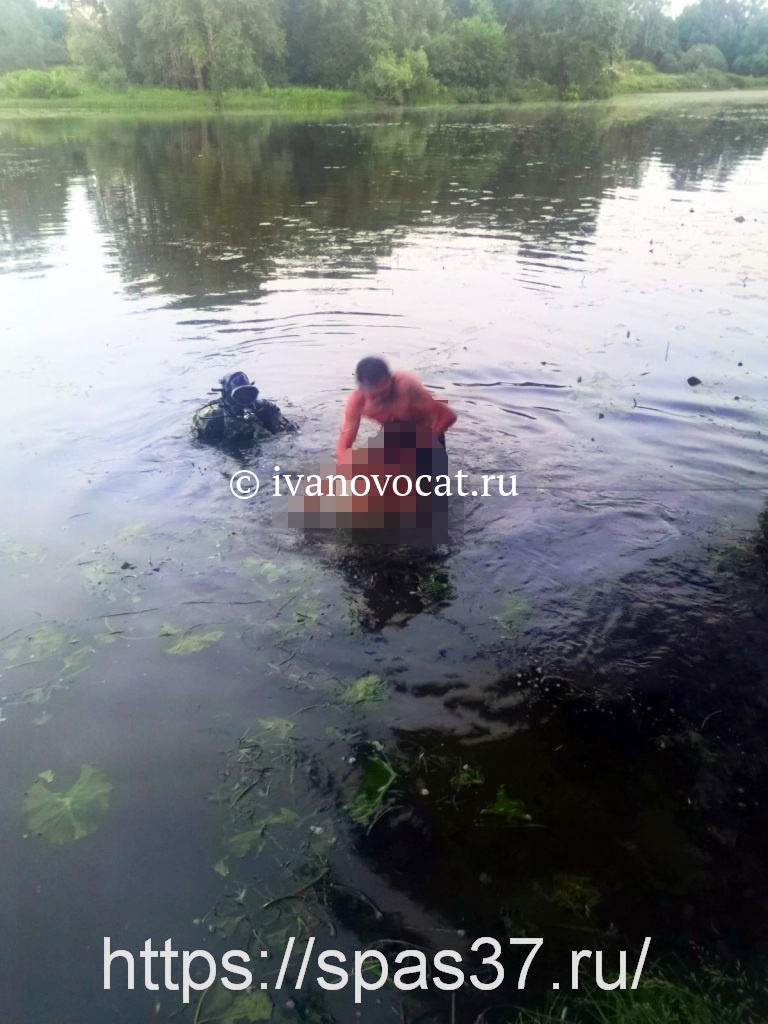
(595,645)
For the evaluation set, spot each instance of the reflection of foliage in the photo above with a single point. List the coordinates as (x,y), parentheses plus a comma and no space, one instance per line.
(62,817)
(574,892)
(378,776)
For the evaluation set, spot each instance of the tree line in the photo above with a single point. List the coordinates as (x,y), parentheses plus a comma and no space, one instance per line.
(396,50)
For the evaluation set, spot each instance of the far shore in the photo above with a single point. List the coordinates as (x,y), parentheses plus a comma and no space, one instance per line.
(140,102)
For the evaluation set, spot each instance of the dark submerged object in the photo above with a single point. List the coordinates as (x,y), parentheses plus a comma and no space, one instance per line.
(239,415)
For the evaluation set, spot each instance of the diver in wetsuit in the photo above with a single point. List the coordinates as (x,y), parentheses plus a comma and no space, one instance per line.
(239,415)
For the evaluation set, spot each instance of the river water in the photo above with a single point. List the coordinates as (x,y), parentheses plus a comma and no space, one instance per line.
(588,287)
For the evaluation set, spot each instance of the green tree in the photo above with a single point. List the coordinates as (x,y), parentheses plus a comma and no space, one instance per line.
(648,32)
(570,43)
(473,57)
(211,43)
(330,42)
(22,36)
(92,44)
(399,80)
(722,23)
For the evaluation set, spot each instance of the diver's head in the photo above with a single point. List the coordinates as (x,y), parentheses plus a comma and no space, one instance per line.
(373,375)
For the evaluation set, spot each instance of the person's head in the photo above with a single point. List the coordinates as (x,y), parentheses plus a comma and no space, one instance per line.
(373,375)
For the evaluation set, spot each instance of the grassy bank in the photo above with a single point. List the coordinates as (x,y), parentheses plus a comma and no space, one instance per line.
(147,99)
(60,91)
(636,76)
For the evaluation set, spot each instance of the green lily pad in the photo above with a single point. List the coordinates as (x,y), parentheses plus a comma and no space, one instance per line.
(511,812)
(63,817)
(378,776)
(189,642)
(365,690)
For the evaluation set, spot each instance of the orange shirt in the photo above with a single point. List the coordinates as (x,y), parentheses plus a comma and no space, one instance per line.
(408,400)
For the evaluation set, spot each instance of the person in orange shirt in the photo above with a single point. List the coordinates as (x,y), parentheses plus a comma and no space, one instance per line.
(390,398)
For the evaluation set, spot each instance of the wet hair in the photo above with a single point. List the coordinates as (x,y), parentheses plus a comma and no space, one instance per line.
(370,371)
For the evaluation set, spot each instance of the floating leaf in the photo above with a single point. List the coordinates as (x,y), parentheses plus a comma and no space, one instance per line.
(467,776)
(378,776)
(45,642)
(510,811)
(189,642)
(220,867)
(62,817)
(364,690)
(253,840)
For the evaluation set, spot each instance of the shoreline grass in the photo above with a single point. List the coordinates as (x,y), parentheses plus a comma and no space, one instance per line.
(149,99)
(631,79)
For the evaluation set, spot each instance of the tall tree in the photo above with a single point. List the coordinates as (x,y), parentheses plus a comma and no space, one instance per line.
(22,35)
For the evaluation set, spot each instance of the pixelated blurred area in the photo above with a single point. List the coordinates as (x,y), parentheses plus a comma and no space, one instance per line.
(377,500)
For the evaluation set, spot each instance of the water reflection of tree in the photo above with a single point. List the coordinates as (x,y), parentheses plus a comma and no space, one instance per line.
(207,208)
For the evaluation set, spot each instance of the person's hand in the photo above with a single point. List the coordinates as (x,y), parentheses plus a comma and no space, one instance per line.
(344,458)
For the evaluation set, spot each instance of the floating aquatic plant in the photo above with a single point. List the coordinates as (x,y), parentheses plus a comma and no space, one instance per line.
(189,642)
(378,776)
(63,817)
(253,840)
(467,776)
(510,811)
(365,690)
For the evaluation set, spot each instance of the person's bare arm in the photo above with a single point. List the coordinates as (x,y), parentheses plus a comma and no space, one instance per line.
(350,424)
(440,414)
